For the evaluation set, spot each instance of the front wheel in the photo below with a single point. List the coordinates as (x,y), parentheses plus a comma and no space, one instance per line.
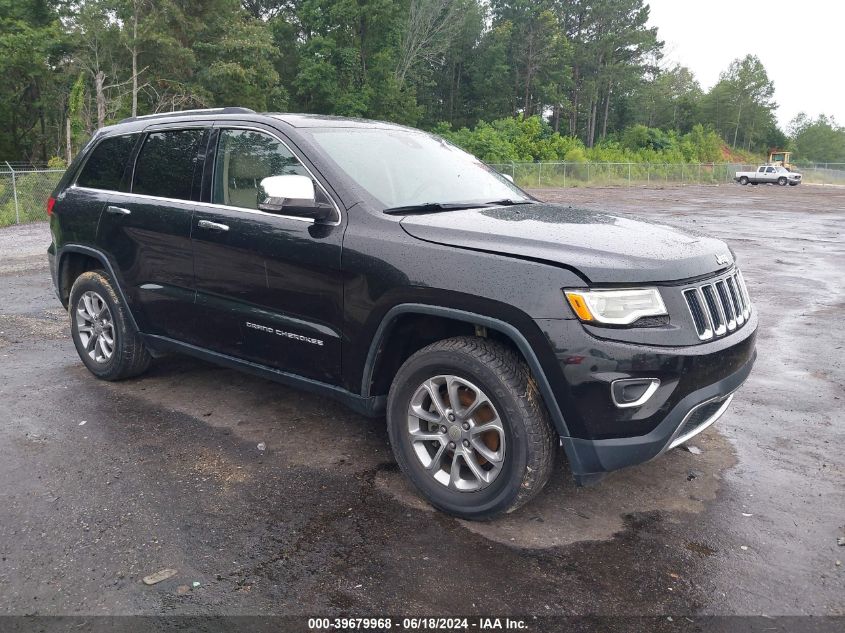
(469,428)
(103,332)
(782,181)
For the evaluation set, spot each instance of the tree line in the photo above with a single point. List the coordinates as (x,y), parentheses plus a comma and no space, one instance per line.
(591,73)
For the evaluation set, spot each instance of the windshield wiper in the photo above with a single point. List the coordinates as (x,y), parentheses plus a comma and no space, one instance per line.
(507,202)
(431,207)
(434,207)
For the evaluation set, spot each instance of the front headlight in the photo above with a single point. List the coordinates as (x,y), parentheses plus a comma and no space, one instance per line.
(616,307)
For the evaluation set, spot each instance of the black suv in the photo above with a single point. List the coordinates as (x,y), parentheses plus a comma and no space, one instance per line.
(384,267)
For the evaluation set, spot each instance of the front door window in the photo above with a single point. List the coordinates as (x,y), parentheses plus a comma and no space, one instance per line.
(244,159)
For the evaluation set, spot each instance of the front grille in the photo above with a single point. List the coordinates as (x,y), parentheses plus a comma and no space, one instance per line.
(719,306)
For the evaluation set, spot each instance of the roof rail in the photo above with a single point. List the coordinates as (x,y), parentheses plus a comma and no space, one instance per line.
(161,115)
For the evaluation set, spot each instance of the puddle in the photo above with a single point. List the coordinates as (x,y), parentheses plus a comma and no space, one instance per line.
(296,428)
(564,514)
(299,429)
(700,548)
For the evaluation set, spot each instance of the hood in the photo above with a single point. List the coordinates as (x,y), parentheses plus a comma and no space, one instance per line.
(604,248)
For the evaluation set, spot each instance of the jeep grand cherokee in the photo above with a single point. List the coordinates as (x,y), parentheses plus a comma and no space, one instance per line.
(384,267)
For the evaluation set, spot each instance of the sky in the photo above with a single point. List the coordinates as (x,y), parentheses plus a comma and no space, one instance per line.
(801,44)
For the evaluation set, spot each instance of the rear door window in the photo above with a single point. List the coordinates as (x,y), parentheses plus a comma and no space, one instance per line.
(167,164)
(104,168)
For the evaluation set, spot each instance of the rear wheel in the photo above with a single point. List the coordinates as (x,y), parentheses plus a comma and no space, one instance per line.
(743,180)
(104,335)
(469,429)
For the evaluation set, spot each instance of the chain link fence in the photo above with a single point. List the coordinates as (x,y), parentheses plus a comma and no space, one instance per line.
(823,173)
(550,175)
(24,189)
(24,193)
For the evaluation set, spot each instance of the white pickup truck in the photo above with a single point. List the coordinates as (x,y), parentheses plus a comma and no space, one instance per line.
(772,174)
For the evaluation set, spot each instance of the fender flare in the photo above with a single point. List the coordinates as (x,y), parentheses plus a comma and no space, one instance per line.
(476,319)
(101,257)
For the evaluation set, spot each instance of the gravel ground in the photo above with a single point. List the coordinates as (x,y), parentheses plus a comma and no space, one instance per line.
(165,471)
(23,248)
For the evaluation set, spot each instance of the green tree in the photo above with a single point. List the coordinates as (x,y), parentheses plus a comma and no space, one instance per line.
(537,54)
(444,88)
(235,60)
(741,105)
(820,140)
(31,46)
(534,69)
(612,50)
(669,100)
(492,91)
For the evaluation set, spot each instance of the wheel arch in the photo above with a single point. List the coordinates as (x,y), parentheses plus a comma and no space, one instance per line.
(75,259)
(471,321)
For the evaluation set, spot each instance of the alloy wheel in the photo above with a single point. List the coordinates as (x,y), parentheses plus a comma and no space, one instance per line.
(95,326)
(456,433)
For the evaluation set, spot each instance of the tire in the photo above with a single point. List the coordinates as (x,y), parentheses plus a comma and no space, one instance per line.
(782,181)
(93,293)
(519,441)
(794,184)
(743,180)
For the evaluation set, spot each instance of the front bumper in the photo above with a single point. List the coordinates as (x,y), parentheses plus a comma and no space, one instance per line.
(696,385)
(692,415)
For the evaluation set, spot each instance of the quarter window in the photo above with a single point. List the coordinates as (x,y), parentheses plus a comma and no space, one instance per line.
(166,164)
(104,168)
(244,158)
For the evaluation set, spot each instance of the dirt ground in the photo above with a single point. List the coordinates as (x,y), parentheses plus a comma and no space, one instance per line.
(104,483)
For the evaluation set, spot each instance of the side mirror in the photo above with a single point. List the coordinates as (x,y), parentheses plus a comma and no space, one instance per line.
(508,176)
(293,195)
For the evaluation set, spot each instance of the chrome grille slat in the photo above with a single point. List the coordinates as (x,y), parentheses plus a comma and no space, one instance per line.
(718,306)
(734,296)
(705,312)
(735,280)
(744,290)
(695,303)
(717,317)
(727,306)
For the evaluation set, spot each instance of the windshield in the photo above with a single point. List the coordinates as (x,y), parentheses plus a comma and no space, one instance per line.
(402,168)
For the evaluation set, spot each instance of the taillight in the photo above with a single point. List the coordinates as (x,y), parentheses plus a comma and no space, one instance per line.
(51,202)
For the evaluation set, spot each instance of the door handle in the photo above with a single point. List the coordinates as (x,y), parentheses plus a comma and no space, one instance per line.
(118,210)
(214,226)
